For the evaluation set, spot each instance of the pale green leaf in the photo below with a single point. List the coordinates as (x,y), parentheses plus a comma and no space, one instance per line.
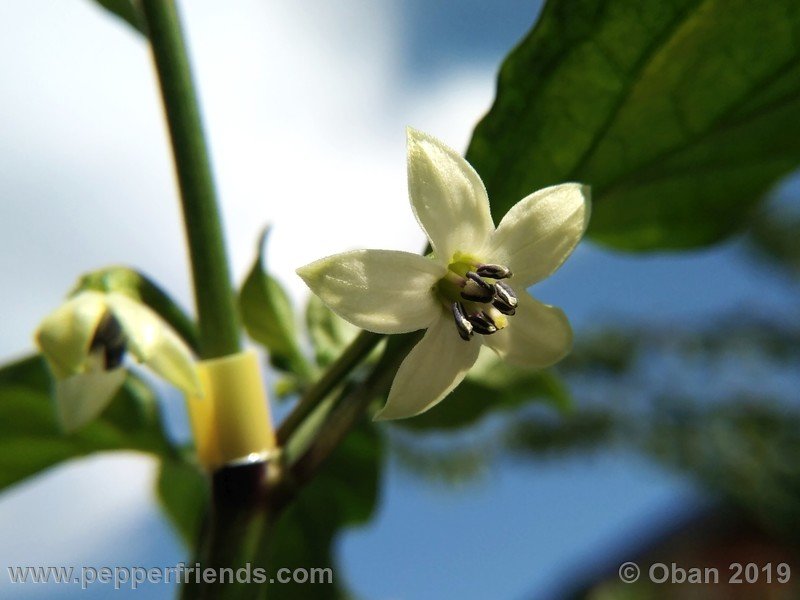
(269,318)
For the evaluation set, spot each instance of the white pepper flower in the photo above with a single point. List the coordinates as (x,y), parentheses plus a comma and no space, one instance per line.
(471,291)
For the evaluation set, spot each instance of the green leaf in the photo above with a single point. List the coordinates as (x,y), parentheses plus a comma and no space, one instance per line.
(128,11)
(141,288)
(269,319)
(491,385)
(32,441)
(680,114)
(182,490)
(329,333)
(344,493)
(29,372)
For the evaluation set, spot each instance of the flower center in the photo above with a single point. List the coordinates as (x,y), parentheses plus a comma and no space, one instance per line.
(109,341)
(474,293)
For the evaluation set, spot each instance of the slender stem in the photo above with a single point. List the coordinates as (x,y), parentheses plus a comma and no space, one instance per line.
(219,328)
(341,421)
(346,415)
(358,349)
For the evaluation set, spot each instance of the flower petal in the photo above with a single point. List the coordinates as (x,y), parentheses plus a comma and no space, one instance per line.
(433,368)
(65,335)
(83,397)
(447,197)
(540,231)
(384,291)
(153,342)
(537,336)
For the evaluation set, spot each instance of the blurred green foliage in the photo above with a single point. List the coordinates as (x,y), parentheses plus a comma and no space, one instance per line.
(32,441)
(344,493)
(329,333)
(269,318)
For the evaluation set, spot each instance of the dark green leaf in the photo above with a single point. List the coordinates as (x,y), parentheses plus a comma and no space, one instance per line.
(268,316)
(680,114)
(30,372)
(182,490)
(32,441)
(344,493)
(492,385)
(128,11)
(140,287)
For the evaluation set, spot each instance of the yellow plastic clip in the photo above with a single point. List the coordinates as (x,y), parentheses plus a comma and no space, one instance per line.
(231,422)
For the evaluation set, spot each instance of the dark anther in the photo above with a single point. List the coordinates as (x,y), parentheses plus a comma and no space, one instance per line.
(504,308)
(463,325)
(482,323)
(476,289)
(494,271)
(109,338)
(505,300)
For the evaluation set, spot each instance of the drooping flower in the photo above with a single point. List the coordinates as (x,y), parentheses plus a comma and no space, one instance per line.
(85,342)
(462,293)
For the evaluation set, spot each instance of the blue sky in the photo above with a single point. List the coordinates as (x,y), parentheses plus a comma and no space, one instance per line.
(306,109)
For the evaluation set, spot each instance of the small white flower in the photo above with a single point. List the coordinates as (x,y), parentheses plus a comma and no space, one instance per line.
(462,293)
(85,341)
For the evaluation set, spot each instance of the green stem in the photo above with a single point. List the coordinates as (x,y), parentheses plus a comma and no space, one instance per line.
(236,516)
(348,412)
(358,349)
(219,328)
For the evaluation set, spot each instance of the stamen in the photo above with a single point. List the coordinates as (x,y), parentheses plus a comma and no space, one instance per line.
(504,308)
(109,338)
(505,300)
(463,325)
(482,323)
(476,289)
(494,271)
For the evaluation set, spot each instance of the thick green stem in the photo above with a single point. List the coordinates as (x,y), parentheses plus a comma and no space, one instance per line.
(236,526)
(219,328)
